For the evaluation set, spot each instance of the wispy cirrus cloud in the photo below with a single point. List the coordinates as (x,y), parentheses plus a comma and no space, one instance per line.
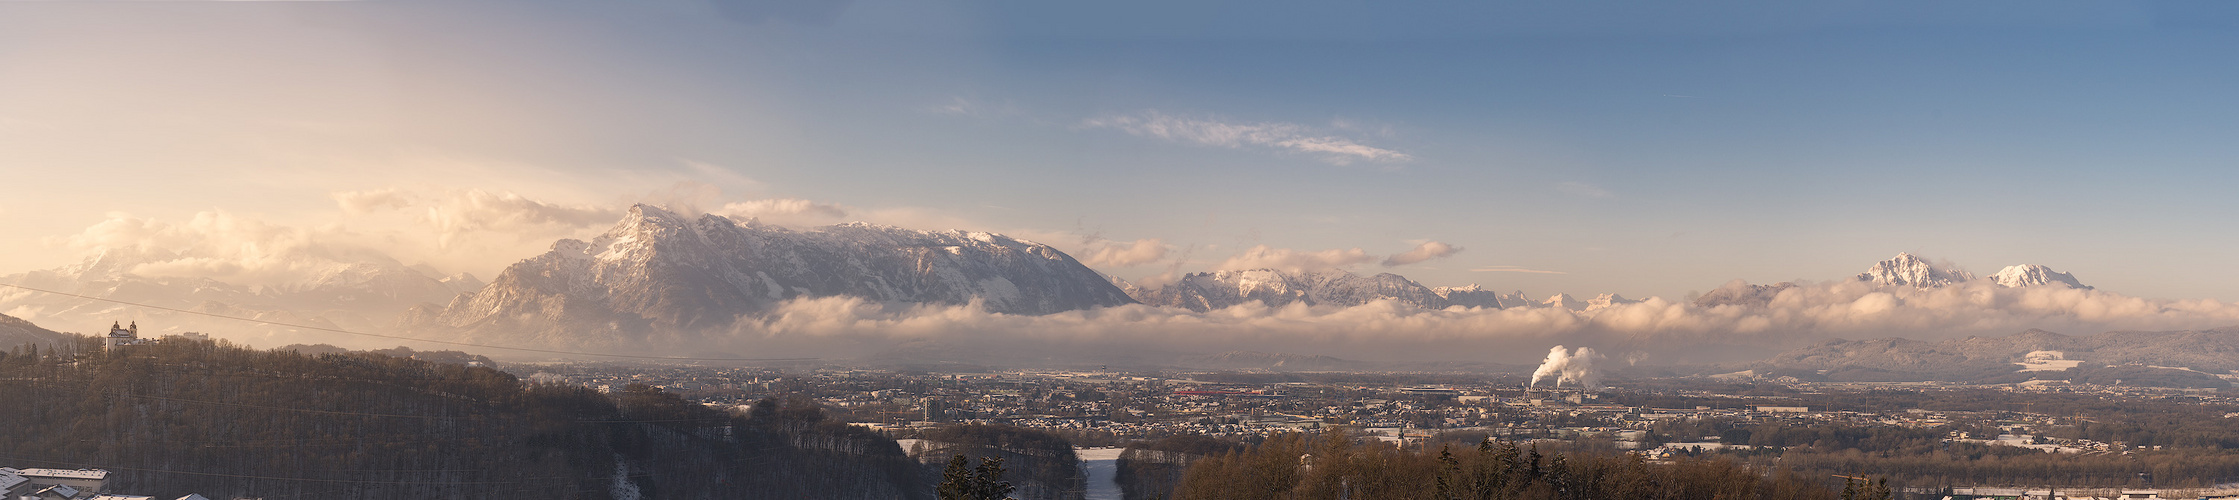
(1279,136)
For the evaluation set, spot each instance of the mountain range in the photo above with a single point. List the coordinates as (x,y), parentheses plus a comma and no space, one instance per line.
(15,332)
(1277,288)
(666,278)
(355,292)
(1904,270)
(1908,270)
(2182,358)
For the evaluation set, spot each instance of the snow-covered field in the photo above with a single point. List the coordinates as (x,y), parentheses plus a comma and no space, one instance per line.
(1100,465)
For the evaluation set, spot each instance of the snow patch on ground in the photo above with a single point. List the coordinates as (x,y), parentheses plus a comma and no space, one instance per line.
(2047,361)
(623,488)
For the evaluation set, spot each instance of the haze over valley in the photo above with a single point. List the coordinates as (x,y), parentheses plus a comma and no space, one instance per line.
(668,283)
(1001,250)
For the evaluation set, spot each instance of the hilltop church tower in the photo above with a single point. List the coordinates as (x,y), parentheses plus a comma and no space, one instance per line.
(122,336)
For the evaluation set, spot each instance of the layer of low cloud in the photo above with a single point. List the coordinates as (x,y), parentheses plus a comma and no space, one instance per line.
(1280,136)
(785,211)
(247,251)
(217,245)
(1428,250)
(1389,330)
(450,230)
(454,214)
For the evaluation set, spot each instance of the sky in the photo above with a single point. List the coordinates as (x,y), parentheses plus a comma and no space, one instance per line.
(1649,149)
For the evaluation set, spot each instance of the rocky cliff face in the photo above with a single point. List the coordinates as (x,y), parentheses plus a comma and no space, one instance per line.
(663,273)
(1476,296)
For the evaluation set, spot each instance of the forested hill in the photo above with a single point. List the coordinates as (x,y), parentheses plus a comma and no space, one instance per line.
(16,333)
(177,416)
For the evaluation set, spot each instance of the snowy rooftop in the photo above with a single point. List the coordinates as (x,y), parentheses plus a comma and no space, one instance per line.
(68,473)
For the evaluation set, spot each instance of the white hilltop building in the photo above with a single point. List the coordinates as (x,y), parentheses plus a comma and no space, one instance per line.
(120,336)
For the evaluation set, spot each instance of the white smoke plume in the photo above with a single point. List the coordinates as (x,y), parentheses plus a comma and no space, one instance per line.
(1575,368)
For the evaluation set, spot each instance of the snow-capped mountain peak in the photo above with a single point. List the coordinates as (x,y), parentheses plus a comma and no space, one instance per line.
(1564,301)
(1908,270)
(1607,300)
(2034,275)
(1477,296)
(657,272)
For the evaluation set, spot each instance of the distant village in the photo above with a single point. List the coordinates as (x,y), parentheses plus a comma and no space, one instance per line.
(1103,408)
(1109,408)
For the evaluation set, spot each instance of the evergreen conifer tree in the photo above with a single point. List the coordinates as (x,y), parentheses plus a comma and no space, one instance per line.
(957,480)
(990,480)
(961,482)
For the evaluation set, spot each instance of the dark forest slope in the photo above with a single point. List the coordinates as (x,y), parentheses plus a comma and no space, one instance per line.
(178,416)
(15,332)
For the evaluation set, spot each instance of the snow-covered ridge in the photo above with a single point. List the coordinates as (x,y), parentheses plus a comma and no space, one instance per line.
(1223,289)
(1476,296)
(2034,275)
(1332,287)
(659,271)
(1908,270)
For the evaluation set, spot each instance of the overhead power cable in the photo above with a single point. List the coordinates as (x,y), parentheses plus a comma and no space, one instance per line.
(395,337)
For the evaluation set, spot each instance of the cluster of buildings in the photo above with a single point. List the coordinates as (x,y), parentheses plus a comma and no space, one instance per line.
(121,335)
(1122,406)
(1127,406)
(63,484)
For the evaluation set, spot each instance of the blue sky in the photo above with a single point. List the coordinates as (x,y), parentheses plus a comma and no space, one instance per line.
(1641,149)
